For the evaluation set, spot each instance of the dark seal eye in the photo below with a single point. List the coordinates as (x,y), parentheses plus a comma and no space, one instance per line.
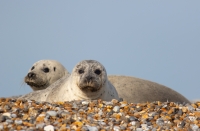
(80,71)
(32,68)
(46,70)
(97,71)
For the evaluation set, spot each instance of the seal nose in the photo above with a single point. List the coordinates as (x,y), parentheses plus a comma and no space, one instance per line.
(89,78)
(31,75)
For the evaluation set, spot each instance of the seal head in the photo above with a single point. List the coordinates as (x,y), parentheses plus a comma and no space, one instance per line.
(43,73)
(90,75)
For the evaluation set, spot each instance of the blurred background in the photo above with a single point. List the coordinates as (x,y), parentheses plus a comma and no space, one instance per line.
(153,40)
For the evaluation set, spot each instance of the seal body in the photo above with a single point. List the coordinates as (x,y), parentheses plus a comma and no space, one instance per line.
(138,90)
(88,81)
(43,73)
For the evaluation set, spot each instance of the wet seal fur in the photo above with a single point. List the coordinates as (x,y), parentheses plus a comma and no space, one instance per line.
(138,90)
(43,73)
(87,81)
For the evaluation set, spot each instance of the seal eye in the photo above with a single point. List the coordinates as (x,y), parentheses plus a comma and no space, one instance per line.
(80,71)
(32,68)
(97,71)
(46,70)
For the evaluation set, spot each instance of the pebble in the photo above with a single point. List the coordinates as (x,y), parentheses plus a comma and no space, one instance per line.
(116,109)
(49,128)
(95,115)
(52,113)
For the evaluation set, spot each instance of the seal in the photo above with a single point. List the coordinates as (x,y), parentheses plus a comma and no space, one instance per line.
(136,90)
(43,73)
(88,81)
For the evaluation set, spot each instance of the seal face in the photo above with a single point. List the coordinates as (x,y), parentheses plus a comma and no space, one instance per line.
(90,75)
(43,73)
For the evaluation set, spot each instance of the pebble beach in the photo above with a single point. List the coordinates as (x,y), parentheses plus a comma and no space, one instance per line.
(98,115)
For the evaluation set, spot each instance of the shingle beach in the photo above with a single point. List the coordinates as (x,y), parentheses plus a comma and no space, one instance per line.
(98,115)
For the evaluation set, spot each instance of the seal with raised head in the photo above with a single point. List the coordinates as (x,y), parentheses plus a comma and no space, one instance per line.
(43,73)
(137,90)
(87,81)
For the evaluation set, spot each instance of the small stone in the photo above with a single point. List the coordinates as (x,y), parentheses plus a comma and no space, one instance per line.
(133,123)
(49,128)
(7,115)
(180,112)
(86,103)
(132,118)
(40,125)
(114,101)
(192,118)
(190,108)
(116,109)
(184,109)
(52,113)
(181,124)
(1,126)
(92,128)
(197,113)
(74,106)
(13,115)
(194,127)
(18,122)
(160,122)
(116,128)
(139,129)
(144,126)
(9,121)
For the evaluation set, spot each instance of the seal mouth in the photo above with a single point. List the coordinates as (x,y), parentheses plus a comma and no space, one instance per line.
(89,88)
(32,84)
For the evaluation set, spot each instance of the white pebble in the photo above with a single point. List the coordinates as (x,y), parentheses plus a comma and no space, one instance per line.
(49,128)
(116,109)
(7,114)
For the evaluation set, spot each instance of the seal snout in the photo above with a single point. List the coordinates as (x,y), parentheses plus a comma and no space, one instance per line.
(89,78)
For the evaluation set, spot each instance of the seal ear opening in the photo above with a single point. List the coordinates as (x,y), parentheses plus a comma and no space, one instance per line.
(54,68)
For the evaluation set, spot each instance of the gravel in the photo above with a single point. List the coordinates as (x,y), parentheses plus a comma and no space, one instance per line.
(95,115)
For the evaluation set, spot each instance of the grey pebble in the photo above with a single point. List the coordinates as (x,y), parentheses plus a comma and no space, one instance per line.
(194,127)
(92,128)
(18,122)
(52,113)
(13,115)
(9,121)
(40,125)
(139,129)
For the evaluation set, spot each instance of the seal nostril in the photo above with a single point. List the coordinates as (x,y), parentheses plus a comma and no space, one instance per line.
(31,75)
(89,78)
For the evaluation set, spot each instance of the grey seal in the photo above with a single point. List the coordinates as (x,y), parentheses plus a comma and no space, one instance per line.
(43,73)
(138,90)
(88,81)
